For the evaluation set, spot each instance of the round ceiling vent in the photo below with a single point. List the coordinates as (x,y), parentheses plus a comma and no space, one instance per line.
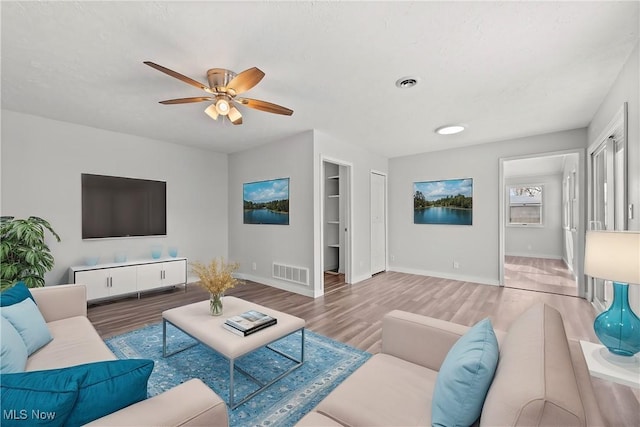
(407,82)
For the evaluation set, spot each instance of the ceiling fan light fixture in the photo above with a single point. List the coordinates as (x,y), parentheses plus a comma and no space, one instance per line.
(212,112)
(222,106)
(449,129)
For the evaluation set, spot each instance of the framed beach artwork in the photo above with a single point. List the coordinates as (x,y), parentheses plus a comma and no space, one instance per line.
(443,202)
(266,202)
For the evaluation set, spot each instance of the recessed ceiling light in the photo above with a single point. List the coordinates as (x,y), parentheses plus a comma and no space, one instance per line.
(407,82)
(449,129)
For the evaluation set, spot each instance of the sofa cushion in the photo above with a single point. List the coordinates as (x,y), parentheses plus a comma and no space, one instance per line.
(75,341)
(26,318)
(15,294)
(107,387)
(385,391)
(465,377)
(535,382)
(13,357)
(38,398)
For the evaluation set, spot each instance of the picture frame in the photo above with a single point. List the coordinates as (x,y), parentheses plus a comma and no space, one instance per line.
(448,201)
(266,202)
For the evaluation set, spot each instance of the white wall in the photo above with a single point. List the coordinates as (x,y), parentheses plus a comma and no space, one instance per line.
(362,162)
(432,249)
(538,241)
(626,89)
(42,161)
(265,244)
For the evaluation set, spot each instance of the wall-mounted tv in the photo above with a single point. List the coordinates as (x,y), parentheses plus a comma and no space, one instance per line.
(123,207)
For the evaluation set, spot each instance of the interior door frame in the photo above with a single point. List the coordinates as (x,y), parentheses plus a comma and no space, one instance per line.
(617,124)
(386,219)
(580,227)
(348,250)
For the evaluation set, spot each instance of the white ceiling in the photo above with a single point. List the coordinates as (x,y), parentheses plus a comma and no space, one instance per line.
(504,69)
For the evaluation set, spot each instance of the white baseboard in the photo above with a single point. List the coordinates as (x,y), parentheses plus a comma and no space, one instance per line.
(297,289)
(459,277)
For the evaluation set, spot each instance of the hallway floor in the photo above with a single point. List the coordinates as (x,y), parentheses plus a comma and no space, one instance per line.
(539,274)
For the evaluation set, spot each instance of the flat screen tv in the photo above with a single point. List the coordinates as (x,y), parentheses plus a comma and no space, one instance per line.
(123,207)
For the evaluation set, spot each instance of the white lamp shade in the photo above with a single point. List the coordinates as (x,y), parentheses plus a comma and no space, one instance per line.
(613,255)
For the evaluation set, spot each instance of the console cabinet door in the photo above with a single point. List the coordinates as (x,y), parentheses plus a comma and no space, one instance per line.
(149,276)
(123,280)
(97,282)
(175,273)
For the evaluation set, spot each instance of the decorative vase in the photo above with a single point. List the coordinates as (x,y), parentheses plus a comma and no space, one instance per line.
(618,328)
(215,303)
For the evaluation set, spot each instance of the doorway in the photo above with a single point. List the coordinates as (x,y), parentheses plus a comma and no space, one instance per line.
(336,225)
(540,223)
(378,222)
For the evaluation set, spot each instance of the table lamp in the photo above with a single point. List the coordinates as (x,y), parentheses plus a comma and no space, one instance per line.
(615,256)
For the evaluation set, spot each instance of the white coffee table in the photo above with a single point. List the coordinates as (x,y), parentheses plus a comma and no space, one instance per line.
(196,321)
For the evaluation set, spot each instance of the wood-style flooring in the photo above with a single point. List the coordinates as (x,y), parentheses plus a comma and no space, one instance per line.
(333,282)
(539,274)
(353,315)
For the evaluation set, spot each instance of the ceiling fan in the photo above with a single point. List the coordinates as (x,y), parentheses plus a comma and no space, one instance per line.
(224,86)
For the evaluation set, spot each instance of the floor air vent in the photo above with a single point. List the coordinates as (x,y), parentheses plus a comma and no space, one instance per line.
(289,273)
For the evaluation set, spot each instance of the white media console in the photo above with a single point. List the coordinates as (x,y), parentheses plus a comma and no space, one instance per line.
(114,279)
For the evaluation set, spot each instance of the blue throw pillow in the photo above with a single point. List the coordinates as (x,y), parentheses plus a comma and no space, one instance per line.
(15,294)
(26,318)
(37,398)
(465,376)
(107,387)
(13,356)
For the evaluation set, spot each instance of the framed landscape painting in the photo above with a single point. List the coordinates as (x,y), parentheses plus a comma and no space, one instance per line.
(443,202)
(266,202)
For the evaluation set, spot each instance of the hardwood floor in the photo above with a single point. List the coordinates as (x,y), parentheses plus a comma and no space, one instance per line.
(353,315)
(333,282)
(539,274)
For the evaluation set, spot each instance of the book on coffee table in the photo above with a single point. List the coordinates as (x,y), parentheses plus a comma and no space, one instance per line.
(249,322)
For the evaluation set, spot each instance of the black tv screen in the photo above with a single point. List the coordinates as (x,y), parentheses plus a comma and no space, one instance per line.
(122,207)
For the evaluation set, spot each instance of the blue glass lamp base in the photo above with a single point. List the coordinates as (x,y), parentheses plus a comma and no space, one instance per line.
(618,328)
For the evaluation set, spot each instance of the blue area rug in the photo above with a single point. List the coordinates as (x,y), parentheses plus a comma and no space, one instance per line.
(327,364)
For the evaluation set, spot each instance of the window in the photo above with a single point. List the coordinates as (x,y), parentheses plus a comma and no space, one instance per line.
(525,205)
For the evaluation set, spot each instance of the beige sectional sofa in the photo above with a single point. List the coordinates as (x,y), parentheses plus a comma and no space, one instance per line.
(541,378)
(75,341)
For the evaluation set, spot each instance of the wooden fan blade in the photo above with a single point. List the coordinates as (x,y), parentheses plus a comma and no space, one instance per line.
(264,106)
(186,100)
(235,116)
(178,76)
(245,80)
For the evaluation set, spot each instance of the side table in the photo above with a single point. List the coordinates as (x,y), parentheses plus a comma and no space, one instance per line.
(610,367)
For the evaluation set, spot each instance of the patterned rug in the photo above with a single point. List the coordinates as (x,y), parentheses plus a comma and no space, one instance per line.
(327,364)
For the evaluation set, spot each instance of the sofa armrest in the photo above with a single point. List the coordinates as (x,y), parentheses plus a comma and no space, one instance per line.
(61,302)
(191,403)
(419,339)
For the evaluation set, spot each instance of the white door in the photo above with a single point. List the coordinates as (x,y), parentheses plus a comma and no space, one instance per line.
(149,276)
(123,280)
(378,223)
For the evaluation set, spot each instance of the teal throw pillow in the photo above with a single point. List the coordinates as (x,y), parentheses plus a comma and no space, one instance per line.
(107,387)
(37,398)
(26,318)
(15,294)
(465,377)
(13,356)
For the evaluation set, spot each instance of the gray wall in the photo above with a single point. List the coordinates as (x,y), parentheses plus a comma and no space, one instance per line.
(538,241)
(432,249)
(42,160)
(265,244)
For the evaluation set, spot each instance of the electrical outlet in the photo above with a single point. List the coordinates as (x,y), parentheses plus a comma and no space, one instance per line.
(456,264)
(254,267)
(393,258)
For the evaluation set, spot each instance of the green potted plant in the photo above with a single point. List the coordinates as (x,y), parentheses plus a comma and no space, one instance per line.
(24,256)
